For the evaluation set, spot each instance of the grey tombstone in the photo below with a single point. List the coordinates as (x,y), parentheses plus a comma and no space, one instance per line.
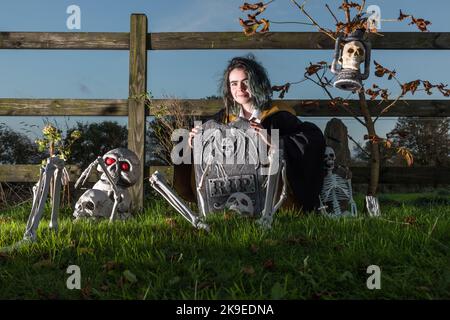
(227,164)
(336,137)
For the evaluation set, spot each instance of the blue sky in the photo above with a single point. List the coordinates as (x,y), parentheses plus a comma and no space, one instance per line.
(190,73)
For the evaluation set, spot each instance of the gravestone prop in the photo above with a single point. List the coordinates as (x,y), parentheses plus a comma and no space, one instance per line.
(228,168)
(336,137)
(234,169)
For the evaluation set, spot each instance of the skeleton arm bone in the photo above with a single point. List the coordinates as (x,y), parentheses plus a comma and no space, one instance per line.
(354,209)
(117,197)
(85,175)
(158,183)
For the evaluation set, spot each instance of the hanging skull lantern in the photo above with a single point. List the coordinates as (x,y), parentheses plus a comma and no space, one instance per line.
(120,169)
(355,51)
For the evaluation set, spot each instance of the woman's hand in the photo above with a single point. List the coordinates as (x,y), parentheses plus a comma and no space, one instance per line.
(192,134)
(258,127)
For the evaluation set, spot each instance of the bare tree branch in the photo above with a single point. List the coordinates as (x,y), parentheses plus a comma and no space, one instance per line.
(358,145)
(327,32)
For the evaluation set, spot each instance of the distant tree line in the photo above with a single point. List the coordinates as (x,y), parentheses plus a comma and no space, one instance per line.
(427,139)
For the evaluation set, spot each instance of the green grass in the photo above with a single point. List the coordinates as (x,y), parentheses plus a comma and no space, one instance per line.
(158,255)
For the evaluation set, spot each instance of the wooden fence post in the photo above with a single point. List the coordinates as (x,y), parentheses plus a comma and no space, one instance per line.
(136,99)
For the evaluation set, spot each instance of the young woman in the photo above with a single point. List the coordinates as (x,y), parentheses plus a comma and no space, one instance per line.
(247,93)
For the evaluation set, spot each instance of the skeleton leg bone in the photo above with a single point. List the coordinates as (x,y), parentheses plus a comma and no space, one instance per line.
(41,193)
(158,183)
(283,195)
(269,208)
(56,197)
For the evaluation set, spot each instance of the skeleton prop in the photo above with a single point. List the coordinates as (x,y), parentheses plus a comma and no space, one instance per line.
(51,177)
(272,182)
(109,197)
(336,194)
(158,183)
(355,52)
(373,206)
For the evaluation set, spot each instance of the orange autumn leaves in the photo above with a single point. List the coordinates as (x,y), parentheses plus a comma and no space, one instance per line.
(388,144)
(411,86)
(252,24)
(420,23)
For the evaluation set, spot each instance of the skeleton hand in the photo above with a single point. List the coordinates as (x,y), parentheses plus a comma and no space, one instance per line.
(192,134)
(265,222)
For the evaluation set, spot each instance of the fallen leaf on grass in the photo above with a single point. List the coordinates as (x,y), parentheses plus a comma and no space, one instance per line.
(228,215)
(44,264)
(81,251)
(86,292)
(171,222)
(47,296)
(104,287)
(271,242)
(248,270)
(297,240)
(5,220)
(111,265)
(254,248)
(269,265)
(410,220)
(4,256)
(423,288)
(205,285)
(323,295)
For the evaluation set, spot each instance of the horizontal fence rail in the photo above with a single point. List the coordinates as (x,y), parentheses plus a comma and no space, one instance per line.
(216,40)
(388,175)
(65,40)
(202,107)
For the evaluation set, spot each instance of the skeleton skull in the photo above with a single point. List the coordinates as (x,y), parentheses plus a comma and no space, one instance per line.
(241,203)
(353,55)
(123,165)
(93,204)
(228,146)
(330,158)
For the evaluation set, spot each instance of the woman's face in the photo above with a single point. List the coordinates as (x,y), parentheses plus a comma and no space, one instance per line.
(238,81)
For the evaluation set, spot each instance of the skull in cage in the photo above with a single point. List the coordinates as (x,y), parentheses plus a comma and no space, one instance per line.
(329,158)
(110,197)
(353,55)
(123,165)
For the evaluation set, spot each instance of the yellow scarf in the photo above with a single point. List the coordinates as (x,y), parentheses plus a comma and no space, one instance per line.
(268,112)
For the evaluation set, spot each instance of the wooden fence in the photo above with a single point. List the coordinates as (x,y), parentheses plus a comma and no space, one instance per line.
(138,41)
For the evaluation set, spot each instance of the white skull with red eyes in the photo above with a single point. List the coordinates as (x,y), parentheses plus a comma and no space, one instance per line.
(123,165)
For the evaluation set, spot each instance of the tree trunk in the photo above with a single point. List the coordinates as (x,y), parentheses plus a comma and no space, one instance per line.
(374,149)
